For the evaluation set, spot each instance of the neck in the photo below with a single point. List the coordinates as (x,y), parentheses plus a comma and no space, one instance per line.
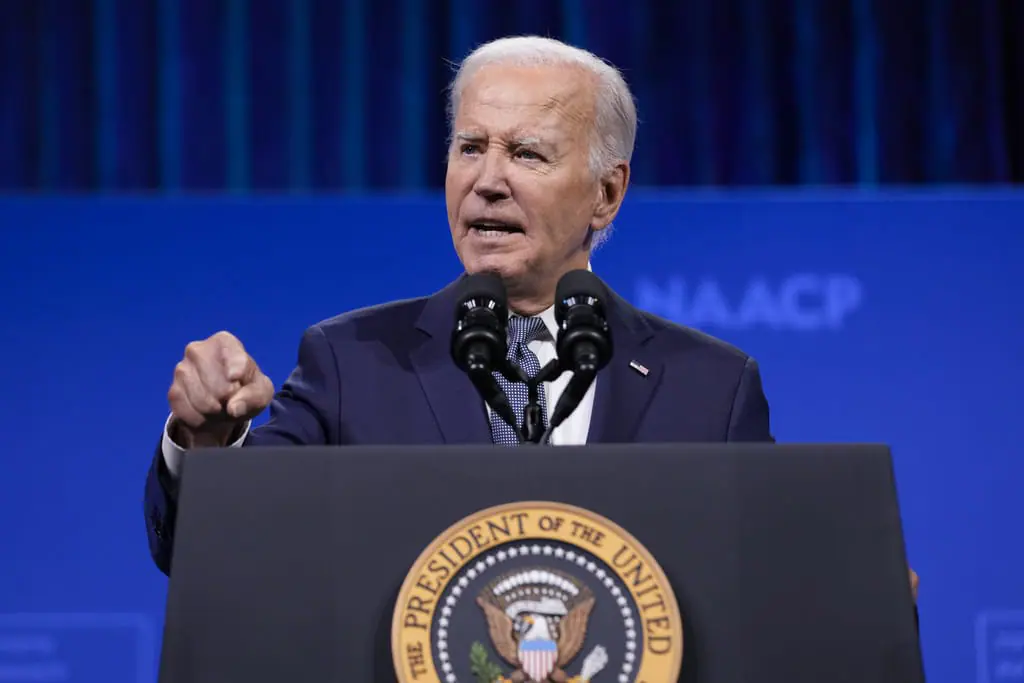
(538,295)
(526,306)
(530,298)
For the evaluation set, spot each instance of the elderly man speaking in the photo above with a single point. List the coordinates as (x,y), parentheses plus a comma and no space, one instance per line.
(538,166)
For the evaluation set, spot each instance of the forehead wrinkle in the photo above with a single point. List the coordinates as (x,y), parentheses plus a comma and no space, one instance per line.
(556,102)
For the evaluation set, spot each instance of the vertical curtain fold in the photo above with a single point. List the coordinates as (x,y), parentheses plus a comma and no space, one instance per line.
(322,95)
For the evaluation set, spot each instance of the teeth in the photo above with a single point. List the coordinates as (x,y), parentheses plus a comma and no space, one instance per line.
(494,227)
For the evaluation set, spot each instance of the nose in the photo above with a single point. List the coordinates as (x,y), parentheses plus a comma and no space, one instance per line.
(492,182)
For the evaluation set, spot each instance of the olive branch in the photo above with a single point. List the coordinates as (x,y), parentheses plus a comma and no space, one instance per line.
(481,665)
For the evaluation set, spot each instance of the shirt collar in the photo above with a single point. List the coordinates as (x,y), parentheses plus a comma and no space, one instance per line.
(548,316)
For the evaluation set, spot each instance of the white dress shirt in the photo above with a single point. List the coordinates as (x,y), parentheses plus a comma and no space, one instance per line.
(573,431)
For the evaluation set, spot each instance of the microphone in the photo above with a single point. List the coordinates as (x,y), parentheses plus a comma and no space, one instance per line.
(584,339)
(479,341)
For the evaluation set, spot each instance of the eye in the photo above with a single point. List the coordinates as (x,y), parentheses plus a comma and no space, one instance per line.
(469,148)
(528,154)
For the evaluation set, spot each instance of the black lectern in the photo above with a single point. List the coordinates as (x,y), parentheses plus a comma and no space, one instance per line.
(723,563)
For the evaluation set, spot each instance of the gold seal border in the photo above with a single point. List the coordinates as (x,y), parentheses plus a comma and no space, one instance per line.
(419,565)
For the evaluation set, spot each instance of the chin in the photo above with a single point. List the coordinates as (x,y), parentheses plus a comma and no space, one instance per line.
(505,265)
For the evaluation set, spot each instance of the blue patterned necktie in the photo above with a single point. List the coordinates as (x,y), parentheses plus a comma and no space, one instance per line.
(521,331)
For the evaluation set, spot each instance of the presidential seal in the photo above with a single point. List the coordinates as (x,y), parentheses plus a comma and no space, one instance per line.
(536,592)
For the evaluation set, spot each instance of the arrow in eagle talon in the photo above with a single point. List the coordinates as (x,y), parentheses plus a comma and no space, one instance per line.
(592,665)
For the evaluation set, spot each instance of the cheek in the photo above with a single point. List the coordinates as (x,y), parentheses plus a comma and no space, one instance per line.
(453,196)
(559,209)
(562,218)
(543,207)
(580,210)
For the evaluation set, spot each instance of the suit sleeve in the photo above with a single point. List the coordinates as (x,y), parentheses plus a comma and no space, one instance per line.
(749,419)
(304,411)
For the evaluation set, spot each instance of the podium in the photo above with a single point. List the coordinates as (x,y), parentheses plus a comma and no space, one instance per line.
(718,563)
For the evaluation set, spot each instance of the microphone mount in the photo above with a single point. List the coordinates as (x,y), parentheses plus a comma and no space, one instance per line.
(583,347)
(532,431)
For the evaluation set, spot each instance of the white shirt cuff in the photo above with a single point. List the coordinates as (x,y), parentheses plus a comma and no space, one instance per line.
(174,454)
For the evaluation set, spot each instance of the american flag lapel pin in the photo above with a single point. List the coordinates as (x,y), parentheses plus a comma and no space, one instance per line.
(639,368)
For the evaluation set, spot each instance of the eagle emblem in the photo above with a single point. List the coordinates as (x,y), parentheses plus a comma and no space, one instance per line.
(537,621)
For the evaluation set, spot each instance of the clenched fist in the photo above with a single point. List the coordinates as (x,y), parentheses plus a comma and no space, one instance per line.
(217,387)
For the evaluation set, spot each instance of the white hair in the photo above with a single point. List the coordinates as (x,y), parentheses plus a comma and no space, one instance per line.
(614,129)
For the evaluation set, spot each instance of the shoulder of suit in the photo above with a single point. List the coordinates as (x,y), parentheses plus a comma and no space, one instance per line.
(378,320)
(397,318)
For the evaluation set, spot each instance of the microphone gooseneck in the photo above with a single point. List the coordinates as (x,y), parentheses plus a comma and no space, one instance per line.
(479,342)
(584,341)
(479,346)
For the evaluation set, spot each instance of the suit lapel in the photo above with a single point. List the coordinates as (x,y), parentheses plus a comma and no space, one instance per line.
(457,407)
(624,393)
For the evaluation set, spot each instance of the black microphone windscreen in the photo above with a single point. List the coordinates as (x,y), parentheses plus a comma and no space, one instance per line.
(486,285)
(577,285)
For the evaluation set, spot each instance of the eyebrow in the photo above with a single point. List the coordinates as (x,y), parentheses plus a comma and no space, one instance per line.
(526,141)
(467,136)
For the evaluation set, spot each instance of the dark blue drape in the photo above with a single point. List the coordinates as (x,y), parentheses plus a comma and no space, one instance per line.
(319,95)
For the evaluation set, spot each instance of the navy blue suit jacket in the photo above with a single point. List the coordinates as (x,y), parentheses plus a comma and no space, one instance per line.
(384,375)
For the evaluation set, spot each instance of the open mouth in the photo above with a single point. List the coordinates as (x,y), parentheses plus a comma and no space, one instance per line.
(494,228)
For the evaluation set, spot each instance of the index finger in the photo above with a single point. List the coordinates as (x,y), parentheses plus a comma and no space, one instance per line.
(232,355)
(238,365)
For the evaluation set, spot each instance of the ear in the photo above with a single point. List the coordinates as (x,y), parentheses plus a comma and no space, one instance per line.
(611,191)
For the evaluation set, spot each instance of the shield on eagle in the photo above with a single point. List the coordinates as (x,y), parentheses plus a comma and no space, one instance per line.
(537,619)
(538,658)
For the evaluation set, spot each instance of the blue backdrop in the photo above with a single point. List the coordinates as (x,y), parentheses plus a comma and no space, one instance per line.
(885,317)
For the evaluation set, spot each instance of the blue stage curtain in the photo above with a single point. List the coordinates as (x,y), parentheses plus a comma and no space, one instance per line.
(336,95)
